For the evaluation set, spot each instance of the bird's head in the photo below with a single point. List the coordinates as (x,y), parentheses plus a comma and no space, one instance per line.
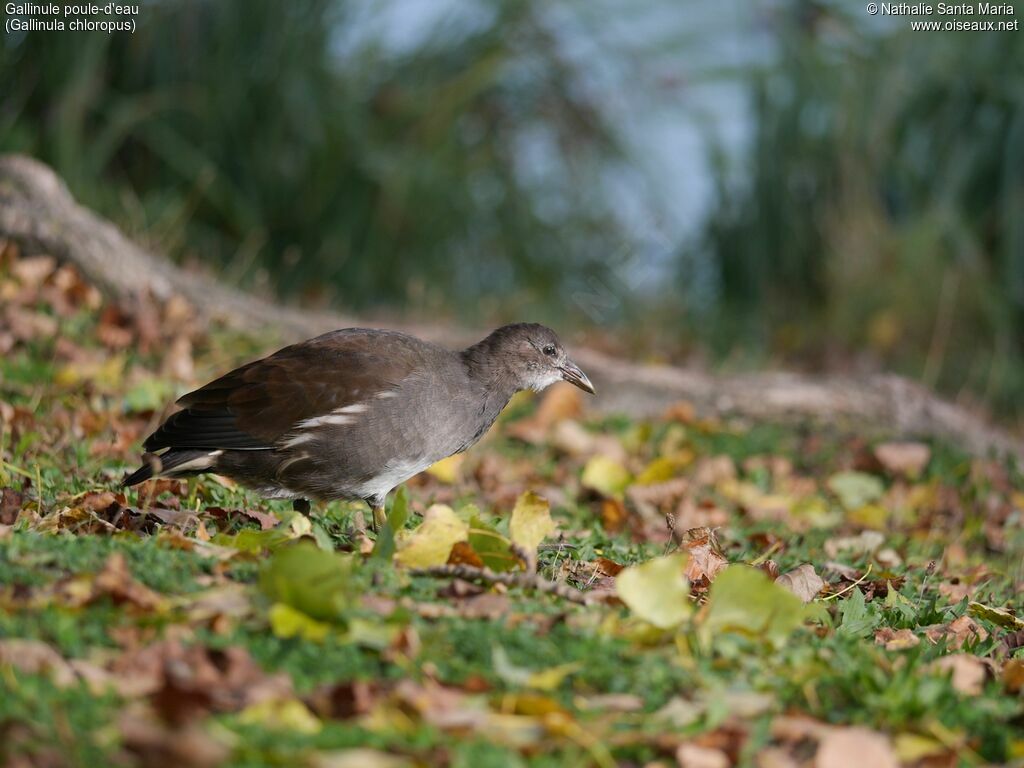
(531,355)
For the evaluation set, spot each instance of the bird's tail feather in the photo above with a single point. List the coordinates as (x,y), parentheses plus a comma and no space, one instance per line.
(172,463)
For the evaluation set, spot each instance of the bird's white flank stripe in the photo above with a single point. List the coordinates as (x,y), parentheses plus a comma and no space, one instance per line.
(297,440)
(386,394)
(200,462)
(336,419)
(355,408)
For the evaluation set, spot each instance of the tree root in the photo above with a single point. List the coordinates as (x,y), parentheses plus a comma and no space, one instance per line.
(39,214)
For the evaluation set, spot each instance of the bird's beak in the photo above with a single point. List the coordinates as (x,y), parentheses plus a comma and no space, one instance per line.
(572,373)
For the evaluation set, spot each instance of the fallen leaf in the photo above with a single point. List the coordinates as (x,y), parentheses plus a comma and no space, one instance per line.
(803,582)
(745,600)
(463,554)
(10,505)
(695,756)
(862,544)
(855,747)
(542,680)
(447,470)
(1013,675)
(705,559)
(606,476)
(664,468)
(896,639)
(855,489)
(958,632)
(281,715)
(656,590)
(560,402)
(967,672)
(431,543)
(310,580)
(116,582)
(286,621)
(903,458)
(267,520)
(531,522)
(357,757)
(35,657)
(999,616)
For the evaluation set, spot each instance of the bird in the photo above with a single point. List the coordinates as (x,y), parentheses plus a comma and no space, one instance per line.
(353,413)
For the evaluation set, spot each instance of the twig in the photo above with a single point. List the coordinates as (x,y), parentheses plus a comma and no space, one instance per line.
(844,591)
(532,581)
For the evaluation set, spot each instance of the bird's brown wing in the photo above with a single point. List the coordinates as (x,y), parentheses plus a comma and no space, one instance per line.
(252,407)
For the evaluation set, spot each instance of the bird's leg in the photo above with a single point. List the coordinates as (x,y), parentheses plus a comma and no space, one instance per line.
(379,517)
(301,505)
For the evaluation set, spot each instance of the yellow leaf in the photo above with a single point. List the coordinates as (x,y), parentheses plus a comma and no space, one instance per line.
(447,470)
(656,591)
(872,516)
(282,715)
(999,616)
(531,521)
(106,374)
(550,678)
(606,476)
(286,621)
(664,468)
(432,542)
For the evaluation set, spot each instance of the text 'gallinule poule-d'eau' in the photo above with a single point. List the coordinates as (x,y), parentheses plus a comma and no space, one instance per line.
(353,413)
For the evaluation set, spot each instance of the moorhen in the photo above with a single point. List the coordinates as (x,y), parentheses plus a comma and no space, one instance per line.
(353,413)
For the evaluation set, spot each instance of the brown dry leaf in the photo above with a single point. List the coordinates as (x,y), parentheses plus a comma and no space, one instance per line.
(803,582)
(855,747)
(954,591)
(1013,675)
(903,458)
(27,325)
(681,411)
(957,632)
(463,554)
(177,360)
(10,505)
(439,705)
(342,701)
(116,582)
(560,402)
(267,520)
(614,515)
(158,746)
(32,271)
(358,757)
(896,639)
(658,496)
(712,470)
(705,556)
(606,567)
(864,543)
(775,757)
(488,605)
(187,682)
(696,756)
(968,672)
(36,657)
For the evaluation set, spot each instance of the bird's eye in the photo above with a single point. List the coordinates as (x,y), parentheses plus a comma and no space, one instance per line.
(549,350)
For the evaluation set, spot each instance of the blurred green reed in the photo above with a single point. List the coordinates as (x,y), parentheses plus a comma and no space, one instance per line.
(245,134)
(879,215)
